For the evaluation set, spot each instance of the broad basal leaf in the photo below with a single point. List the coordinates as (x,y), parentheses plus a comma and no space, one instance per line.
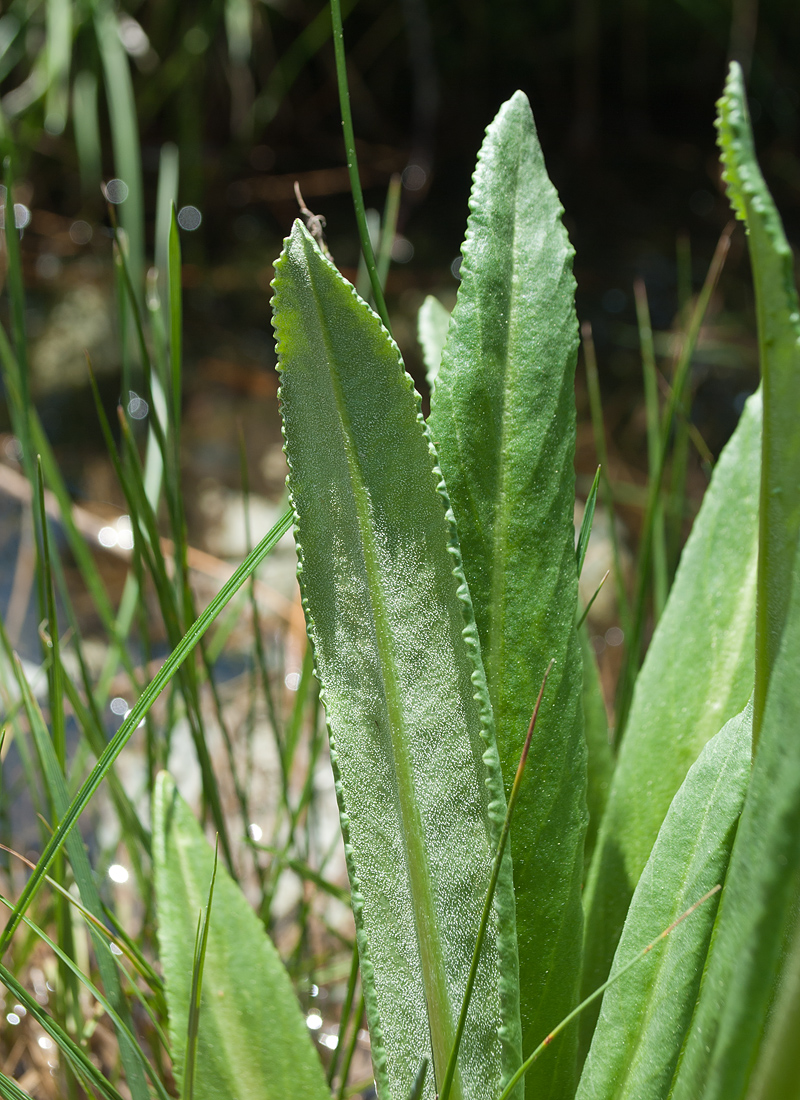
(253,1043)
(645,1015)
(697,674)
(759,904)
(777,1074)
(503,421)
(397,654)
(778,313)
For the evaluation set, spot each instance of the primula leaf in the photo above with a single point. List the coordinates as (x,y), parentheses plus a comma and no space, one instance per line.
(644,1016)
(503,420)
(758,906)
(252,1041)
(433,320)
(778,315)
(778,1071)
(397,655)
(697,674)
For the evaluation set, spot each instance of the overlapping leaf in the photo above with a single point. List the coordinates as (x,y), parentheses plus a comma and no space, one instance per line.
(397,654)
(252,1042)
(758,909)
(778,314)
(698,673)
(645,1015)
(503,420)
(759,903)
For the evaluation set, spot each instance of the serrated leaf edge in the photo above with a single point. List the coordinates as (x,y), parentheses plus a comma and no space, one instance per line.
(506,938)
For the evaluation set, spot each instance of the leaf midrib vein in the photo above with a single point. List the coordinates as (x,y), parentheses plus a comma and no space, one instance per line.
(425,916)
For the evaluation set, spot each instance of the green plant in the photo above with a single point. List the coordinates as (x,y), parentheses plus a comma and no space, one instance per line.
(439,576)
(366,488)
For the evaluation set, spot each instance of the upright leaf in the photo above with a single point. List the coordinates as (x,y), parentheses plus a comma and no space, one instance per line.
(645,1015)
(503,420)
(397,654)
(697,674)
(758,908)
(778,1071)
(252,1042)
(600,769)
(433,320)
(778,315)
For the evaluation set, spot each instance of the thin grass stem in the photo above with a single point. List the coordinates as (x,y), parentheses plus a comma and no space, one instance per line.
(630,666)
(650,376)
(545,1043)
(352,164)
(487,905)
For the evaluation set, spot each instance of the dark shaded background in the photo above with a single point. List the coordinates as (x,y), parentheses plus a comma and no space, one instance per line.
(623,92)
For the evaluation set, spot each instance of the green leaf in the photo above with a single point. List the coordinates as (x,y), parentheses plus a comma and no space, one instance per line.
(433,321)
(586,523)
(778,1070)
(601,761)
(778,315)
(252,1043)
(645,1015)
(503,418)
(396,652)
(758,907)
(697,674)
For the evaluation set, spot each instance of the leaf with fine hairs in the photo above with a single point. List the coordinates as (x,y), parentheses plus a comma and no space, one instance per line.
(252,1040)
(698,673)
(397,655)
(778,315)
(503,421)
(645,1014)
(777,1073)
(759,904)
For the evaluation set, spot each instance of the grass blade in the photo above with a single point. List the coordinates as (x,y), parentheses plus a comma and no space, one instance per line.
(124,134)
(137,713)
(601,763)
(487,905)
(586,523)
(630,668)
(650,374)
(352,164)
(593,997)
(198,966)
(599,430)
(56,786)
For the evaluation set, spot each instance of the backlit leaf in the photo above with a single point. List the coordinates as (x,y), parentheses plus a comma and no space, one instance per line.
(645,1015)
(698,673)
(503,420)
(397,655)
